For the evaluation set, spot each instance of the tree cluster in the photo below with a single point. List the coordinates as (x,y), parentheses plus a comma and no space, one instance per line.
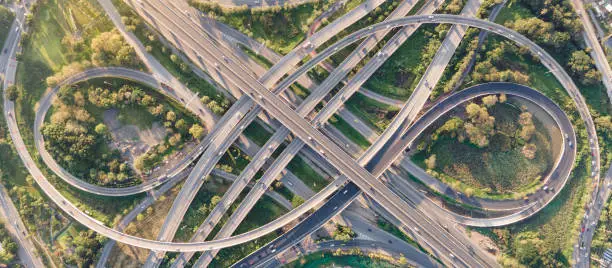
(343,233)
(83,248)
(109,48)
(9,247)
(495,67)
(73,138)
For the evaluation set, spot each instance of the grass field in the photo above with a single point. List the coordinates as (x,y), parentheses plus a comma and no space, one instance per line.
(349,132)
(307,174)
(377,115)
(398,76)
(261,60)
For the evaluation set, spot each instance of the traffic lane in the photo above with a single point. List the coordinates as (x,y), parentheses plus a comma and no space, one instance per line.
(327,211)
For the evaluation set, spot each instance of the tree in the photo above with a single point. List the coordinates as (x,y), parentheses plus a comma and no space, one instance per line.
(343,233)
(140,217)
(527,126)
(402,260)
(174,139)
(12,93)
(489,100)
(196,131)
(583,66)
(529,150)
(101,129)
(181,125)
(170,116)
(431,162)
(452,126)
(214,201)
(502,98)
(296,201)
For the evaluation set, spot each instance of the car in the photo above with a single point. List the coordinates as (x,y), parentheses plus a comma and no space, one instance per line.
(545,188)
(5,50)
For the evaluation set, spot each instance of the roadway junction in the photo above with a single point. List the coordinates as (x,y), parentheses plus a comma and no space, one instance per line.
(258,97)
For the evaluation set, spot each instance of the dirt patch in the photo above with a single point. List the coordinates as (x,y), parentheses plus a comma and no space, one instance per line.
(124,255)
(130,140)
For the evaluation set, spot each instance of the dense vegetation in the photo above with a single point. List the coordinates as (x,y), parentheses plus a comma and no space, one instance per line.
(9,247)
(6,19)
(602,239)
(280,28)
(80,247)
(78,139)
(548,238)
(350,258)
(343,233)
(479,146)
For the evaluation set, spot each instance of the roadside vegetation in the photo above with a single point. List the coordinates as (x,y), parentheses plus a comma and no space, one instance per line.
(475,147)
(279,28)
(8,253)
(6,19)
(348,258)
(349,132)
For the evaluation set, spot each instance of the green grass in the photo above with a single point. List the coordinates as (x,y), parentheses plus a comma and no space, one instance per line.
(257,133)
(485,170)
(325,259)
(511,12)
(307,174)
(261,60)
(397,77)
(377,115)
(138,116)
(349,132)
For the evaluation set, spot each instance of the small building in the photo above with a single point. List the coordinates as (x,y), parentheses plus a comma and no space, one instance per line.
(608,7)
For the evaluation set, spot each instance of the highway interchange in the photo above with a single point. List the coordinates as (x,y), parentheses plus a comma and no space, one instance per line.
(244,111)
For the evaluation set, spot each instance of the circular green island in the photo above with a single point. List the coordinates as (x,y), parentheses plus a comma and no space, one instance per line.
(116,132)
(492,147)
